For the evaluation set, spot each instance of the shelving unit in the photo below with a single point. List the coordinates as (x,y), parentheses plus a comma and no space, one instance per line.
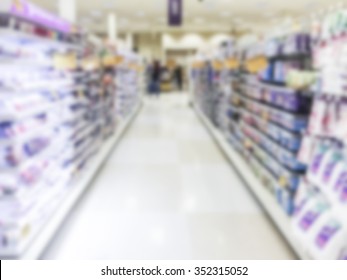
(61,115)
(266,199)
(39,240)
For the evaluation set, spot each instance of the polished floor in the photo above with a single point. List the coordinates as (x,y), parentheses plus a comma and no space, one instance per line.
(167,192)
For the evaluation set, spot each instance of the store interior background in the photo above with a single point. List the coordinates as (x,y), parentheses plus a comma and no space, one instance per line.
(206,23)
(166,190)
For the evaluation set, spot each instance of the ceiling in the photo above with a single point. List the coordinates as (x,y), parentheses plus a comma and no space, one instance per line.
(199,15)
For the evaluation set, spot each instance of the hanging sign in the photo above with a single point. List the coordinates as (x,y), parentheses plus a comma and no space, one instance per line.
(175,10)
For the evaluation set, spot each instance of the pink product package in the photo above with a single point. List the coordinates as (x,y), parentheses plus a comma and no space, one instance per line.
(316,123)
(340,131)
(320,158)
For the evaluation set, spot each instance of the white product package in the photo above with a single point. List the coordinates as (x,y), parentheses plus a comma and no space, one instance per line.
(329,239)
(309,218)
(332,165)
(321,157)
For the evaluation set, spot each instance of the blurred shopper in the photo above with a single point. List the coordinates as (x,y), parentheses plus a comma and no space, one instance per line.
(148,76)
(166,79)
(155,78)
(178,76)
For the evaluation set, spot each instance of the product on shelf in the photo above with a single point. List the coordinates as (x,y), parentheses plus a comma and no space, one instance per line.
(57,108)
(288,121)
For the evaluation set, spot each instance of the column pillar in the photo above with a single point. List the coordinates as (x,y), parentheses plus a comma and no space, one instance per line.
(112,27)
(67,10)
(130,41)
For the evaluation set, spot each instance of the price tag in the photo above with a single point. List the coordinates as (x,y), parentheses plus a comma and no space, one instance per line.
(26,231)
(119,59)
(80,93)
(65,61)
(283,182)
(232,63)
(257,64)
(91,63)
(217,65)
(265,115)
(109,60)
(248,143)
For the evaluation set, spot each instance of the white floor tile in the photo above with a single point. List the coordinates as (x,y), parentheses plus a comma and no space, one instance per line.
(167,192)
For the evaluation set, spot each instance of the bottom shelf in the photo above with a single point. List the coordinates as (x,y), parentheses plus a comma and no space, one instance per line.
(266,199)
(35,245)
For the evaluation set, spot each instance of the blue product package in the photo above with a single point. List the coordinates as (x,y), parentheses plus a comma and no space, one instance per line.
(288,202)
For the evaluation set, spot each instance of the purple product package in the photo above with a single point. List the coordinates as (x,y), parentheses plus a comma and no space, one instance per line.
(309,218)
(343,255)
(327,233)
(297,44)
(343,193)
(311,215)
(341,181)
(316,162)
(331,166)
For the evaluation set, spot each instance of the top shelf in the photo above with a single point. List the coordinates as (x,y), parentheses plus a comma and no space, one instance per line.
(293,56)
(32,38)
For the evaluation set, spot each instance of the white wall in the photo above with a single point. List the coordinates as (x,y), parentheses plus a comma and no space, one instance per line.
(155,46)
(149,46)
(194,41)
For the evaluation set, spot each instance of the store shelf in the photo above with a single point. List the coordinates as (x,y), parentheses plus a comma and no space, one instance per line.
(35,245)
(266,199)
(12,33)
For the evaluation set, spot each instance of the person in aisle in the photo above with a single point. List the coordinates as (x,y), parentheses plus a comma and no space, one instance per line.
(155,78)
(178,77)
(148,76)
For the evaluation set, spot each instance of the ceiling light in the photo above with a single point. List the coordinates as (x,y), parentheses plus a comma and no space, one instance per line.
(262,4)
(109,5)
(140,13)
(86,20)
(199,20)
(96,13)
(161,19)
(210,5)
(225,14)
(123,21)
(269,15)
(237,20)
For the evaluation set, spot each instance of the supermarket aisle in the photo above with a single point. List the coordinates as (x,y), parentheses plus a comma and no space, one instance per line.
(168,193)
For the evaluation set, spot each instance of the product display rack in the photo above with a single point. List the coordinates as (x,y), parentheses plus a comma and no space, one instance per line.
(61,114)
(289,154)
(41,239)
(128,83)
(266,199)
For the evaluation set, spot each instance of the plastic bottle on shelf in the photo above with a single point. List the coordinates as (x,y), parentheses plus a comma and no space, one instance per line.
(308,219)
(329,239)
(321,156)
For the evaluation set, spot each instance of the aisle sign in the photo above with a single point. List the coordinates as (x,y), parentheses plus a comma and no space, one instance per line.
(175,10)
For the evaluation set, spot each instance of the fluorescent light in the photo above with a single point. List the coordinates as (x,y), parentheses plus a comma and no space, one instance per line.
(198,20)
(123,21)
(237,20)
(109,5)
(269,15)
(96,13)
(86,20)
(161,19)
